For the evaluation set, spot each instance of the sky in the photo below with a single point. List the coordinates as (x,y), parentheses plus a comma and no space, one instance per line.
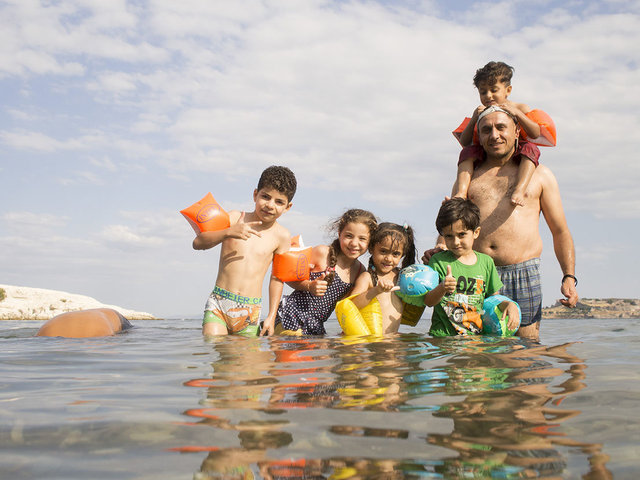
(116,115)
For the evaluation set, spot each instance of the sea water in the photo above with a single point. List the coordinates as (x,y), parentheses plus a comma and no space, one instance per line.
(162,402)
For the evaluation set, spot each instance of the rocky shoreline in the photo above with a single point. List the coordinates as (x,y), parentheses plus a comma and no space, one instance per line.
(596,308)
(25,303)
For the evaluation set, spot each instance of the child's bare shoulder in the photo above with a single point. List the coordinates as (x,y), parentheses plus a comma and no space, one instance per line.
(523,107)
(282,237)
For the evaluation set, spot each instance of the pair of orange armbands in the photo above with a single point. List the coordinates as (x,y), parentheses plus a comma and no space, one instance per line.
(547,136)
(206,215)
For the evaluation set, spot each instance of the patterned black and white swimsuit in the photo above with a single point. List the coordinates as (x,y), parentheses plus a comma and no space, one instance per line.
(302,310)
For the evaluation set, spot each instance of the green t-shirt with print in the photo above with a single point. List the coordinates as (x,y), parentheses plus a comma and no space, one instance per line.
(474,283)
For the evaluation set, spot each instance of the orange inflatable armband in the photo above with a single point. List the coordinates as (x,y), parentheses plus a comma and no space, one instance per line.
(458,131)
(206,215)
(547,136)
(293,266)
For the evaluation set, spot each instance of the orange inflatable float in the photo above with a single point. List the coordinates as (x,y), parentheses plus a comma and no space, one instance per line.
(547,136)
(97,322)
(293,266)
(206,215)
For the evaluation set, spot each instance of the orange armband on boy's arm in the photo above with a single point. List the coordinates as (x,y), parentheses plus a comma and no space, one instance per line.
(293,266)
(547,136)
(206,215)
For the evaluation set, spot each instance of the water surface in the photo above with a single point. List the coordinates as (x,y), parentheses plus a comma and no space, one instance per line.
(161,402)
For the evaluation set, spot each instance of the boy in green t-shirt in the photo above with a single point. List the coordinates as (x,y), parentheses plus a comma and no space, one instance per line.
(467,276)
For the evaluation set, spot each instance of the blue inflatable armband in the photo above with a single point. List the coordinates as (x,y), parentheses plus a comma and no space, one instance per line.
(492,323)
(416,280)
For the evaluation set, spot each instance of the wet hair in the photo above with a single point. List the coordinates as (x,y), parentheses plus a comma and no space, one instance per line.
(458,209)
(354,215)
(400,235)
(279,178)
(492,73)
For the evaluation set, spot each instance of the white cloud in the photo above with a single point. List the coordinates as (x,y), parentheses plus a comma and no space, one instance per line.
(159,101)
(29,221)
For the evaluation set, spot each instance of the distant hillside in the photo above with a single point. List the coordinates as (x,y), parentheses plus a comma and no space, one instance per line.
(596,308)
(25,303)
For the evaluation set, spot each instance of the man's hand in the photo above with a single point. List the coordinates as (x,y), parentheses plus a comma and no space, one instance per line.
(568,289)
(430,253)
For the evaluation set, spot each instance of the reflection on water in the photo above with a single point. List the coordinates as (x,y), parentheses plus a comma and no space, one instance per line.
(503,400)
(159,402)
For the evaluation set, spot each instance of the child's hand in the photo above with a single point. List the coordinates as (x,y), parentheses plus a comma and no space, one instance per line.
(511,107)
(387,286)
(268,326)
(477,112)
(244,230)
(449,282)
(514,316)
(318,287)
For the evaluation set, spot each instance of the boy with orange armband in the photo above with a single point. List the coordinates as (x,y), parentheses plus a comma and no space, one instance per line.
(248,247)
(493,82)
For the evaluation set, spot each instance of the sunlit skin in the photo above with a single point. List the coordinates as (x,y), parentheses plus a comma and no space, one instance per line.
(497,94)
(386,257)
(511,235)
(247,249)
(354,242)
(459,240)
(497,135)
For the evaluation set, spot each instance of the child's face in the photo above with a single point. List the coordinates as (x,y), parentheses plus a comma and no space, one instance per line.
(270,204)
(459,239)
(354,240)
(386,256)
(495,94)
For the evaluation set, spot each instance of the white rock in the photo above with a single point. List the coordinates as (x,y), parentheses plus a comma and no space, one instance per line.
(25,303)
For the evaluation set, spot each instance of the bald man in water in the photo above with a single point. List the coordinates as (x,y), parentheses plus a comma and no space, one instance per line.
(510,234)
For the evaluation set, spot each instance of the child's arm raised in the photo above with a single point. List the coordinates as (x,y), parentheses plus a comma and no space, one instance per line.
(366,292)
(447,286)
(520,110)
(238,229)
(466,137)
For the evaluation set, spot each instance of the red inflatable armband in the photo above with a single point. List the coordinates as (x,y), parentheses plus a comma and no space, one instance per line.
(458,131)
(206,215)
(293,266)
(547,136)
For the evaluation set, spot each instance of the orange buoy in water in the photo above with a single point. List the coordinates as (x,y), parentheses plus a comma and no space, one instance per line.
(97,322)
